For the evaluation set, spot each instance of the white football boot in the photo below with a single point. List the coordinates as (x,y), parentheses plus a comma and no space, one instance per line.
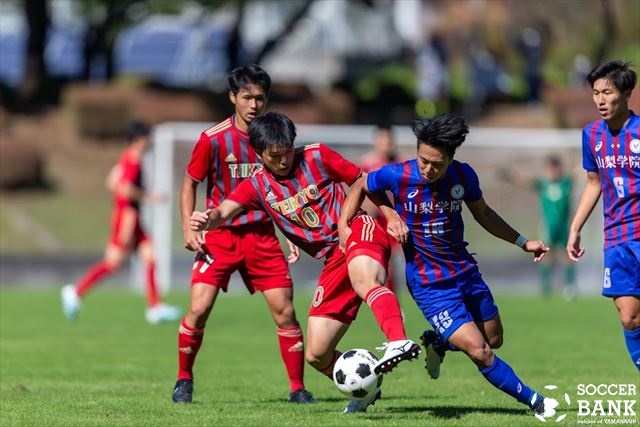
(70,302)
(162,313)
(396,352)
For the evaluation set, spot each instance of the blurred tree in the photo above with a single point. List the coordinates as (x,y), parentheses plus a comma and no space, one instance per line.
(35,75)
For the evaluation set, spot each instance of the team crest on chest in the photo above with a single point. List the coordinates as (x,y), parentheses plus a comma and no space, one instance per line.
(457,191)
(634,146)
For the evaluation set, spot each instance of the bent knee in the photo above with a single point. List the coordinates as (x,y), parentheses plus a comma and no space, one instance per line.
(630,320)
(481,356)
(495,341)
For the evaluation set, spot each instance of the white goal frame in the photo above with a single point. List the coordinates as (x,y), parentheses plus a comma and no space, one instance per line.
(159,166)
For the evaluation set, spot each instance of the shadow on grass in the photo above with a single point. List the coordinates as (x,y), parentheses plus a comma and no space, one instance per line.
(449,412)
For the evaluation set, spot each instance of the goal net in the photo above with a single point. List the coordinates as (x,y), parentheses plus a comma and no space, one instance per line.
(486,149)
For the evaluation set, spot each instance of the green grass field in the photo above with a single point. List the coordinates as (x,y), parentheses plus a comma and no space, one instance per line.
(111,368)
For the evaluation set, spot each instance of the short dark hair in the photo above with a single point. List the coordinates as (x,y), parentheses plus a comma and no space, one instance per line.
(271,130)
(554,160)
(248,74)
(138,129)
(617,72)
(446,131)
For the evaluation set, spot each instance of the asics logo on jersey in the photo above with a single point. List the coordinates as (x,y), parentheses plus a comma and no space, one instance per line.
(244,170)
(598,146)
(293,203)
(413,194)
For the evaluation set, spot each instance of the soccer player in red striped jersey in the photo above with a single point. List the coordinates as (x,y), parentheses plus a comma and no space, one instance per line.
(125,183)
(302,190)
(248,244)
(611,157)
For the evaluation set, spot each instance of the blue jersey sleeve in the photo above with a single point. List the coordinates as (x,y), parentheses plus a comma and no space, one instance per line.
(383,179)
(473,193)
(588,161)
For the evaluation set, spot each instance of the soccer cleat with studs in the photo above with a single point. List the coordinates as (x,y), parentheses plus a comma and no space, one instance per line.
(396,352)
(356,406)
(183,391)
(434,353)
(301,396)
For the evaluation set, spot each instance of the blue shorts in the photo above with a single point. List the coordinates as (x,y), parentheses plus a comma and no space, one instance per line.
(622,270)
(451,303)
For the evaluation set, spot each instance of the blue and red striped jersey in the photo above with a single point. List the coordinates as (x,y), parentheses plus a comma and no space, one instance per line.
(616,158)
(224,158)
(436,249)
(306,205)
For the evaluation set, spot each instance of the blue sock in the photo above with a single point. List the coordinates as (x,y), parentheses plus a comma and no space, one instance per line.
(632,338)
(501,375)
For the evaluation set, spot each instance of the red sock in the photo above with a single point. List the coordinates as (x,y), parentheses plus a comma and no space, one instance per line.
(328,371)
(189,342)
(91,278)
(386,310)
(292,353)
(152,289)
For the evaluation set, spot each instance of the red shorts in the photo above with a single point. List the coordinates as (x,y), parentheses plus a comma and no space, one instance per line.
(126,232)
(334,296)
(253,250)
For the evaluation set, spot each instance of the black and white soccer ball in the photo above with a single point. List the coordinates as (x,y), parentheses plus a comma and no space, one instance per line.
(354,374)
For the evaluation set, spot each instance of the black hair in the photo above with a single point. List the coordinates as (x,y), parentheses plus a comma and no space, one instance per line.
(554,160)
(446,131)
(248,74)
(138,129)
(271,130)
(617,72)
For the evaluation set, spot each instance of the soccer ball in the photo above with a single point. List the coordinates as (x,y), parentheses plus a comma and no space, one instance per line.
(354,376)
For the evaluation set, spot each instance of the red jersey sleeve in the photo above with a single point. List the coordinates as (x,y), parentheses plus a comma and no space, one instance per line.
(246,195)
(339,168)
(201,159)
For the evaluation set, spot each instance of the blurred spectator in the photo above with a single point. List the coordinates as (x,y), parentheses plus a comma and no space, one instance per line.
(554,196)
(531,47)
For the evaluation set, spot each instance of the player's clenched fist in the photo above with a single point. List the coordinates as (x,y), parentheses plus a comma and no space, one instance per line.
(199,221)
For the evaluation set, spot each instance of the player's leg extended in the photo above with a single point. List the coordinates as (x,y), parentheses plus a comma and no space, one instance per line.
(469,339)
(72,294)
(156,311)
(629,311)
(368,252)
(290,340)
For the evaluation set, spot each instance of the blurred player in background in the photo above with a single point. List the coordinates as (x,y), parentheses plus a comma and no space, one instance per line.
(248,244)
(442,275)
(125,183)
(554,191)
(301,189)
(384,152)
(611,157)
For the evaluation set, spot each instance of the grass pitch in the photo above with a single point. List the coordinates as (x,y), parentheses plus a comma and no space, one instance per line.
(111,368)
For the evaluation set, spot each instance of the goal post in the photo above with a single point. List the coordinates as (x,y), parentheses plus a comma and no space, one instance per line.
(486,149)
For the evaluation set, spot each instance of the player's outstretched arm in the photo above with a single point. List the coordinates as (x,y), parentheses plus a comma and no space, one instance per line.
(587,202)
(494,224)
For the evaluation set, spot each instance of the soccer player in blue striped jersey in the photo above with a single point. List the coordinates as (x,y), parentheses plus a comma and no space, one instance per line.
(611,157)
(442,275)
